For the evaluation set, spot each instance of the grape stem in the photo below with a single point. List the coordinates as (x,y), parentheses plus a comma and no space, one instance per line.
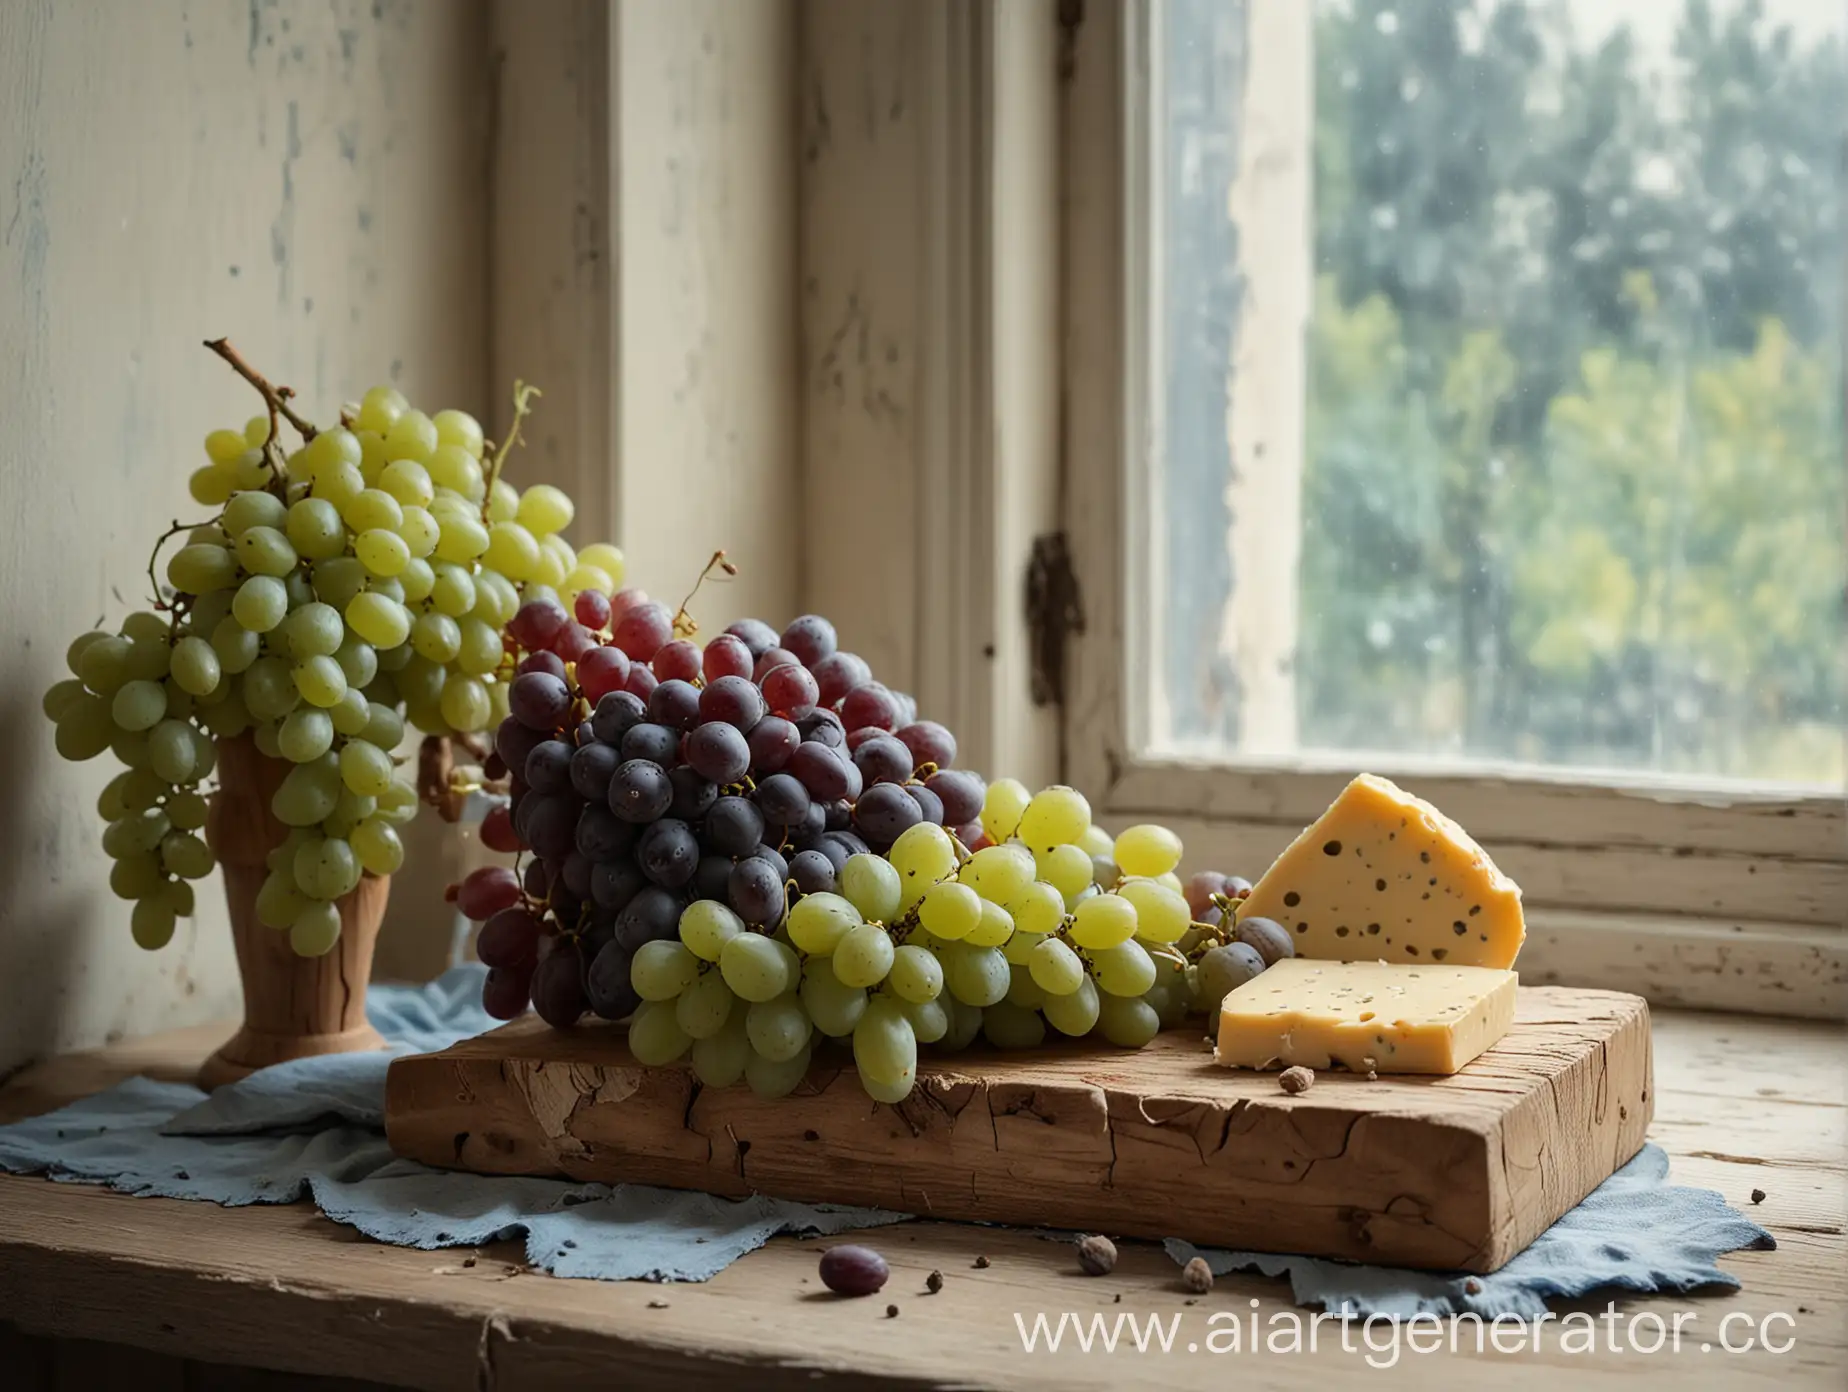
(277,398)
(684,625)
(154,559)
(522,394)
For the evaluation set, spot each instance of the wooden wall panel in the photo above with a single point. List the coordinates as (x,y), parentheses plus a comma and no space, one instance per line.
(305,178)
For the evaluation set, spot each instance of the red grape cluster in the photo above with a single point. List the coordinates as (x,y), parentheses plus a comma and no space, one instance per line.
(648,772)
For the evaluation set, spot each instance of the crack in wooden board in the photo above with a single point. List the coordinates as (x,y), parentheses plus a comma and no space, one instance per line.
(1447,1173)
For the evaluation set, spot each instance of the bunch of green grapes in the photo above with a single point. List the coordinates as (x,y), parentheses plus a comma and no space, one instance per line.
(928,945)
(357,584)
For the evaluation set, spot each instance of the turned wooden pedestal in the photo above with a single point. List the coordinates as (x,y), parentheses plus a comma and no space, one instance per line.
(294,1007)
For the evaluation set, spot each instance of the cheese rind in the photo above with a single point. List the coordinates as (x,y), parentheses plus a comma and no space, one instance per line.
(1366,1016)
(1384,876)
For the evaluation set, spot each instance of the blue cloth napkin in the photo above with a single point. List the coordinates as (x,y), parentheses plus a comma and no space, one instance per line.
(1633,1232)
(315,1129)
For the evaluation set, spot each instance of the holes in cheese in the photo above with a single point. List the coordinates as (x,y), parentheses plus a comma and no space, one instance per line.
(1366,1016)
(1383,875)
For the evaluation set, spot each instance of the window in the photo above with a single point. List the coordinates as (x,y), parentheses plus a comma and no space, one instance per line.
(1456,393)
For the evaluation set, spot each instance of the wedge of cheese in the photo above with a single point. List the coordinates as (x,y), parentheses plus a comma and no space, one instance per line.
(1366,1016)
(1385,876)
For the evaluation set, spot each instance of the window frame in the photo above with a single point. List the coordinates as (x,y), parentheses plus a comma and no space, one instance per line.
(1695,896)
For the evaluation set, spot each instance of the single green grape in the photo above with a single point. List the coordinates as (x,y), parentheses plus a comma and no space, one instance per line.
(1123,970)
(885,1049)
(660,971)
(196,668)
(466,703)
(818,922)
(1000,874)
(315,930)
(1009,1026)
(1162,915)
(833,1006)
(719,1059)
(950,910)
(929,1020)
(1055,968)
(1147,850)
(375,841)
(873,885)
(185,855)
(454,591)
(923,855)
(1067,869)
(916,974)
(703,1007)
(655,1036)
(1055,816)
(382,622)
(1127,1021)
(863,956)
(1040,910)
(138,705)
(978,975)
(1104,921)
(770,1079)
(544,509)
(1002,806)
(994,929)
(754,968)
(175,753)
(200,568)
(778,1028)
(264,550)
(261,603)
(338,579)
(320,681)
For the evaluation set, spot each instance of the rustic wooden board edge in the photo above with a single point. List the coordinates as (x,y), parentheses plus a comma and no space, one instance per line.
(1447,1173)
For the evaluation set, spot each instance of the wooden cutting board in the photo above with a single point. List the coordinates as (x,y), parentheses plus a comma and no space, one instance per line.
(1452,1173)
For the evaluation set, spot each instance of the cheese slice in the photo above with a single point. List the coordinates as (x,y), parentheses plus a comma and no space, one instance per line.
(1385,876)
(1366,1016)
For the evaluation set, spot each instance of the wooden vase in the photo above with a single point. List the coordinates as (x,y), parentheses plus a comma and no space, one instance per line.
(294,1007)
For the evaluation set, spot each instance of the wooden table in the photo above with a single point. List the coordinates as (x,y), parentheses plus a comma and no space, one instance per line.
(1743,1104)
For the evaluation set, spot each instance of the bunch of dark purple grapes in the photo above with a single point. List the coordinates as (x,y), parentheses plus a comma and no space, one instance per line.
(647,772)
